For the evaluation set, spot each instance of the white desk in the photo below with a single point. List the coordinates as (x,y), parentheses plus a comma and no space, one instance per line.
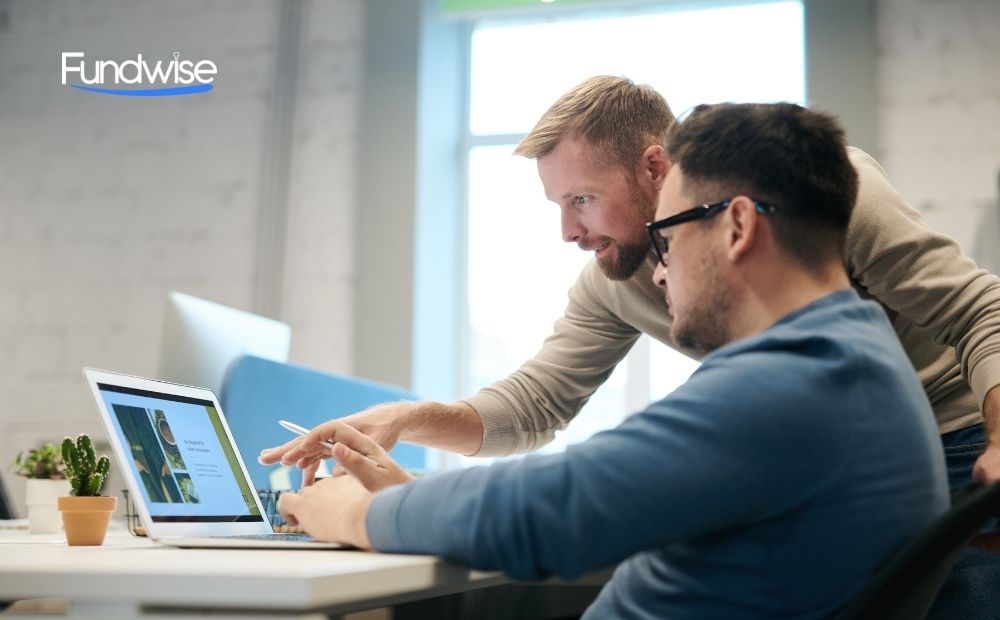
(131,578)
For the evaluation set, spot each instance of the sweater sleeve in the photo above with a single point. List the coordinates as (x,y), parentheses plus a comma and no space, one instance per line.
(923,276)
(697,461)
(523,411)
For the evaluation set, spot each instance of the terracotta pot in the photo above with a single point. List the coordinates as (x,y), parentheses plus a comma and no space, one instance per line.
(86,519)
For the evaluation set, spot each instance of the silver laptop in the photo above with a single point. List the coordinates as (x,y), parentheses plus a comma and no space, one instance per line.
(182,466)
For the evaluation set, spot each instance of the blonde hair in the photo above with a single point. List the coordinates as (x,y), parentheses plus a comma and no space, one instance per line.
(617,117)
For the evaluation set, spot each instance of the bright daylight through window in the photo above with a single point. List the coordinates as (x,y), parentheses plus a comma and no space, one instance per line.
(518,268)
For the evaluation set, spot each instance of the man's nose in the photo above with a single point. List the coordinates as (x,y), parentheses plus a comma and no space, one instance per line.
(660,275)
(572,230)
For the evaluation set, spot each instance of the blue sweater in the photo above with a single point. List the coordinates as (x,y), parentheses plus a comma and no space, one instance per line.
(771,484)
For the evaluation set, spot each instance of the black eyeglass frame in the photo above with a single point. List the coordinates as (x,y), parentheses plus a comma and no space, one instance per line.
(701,212)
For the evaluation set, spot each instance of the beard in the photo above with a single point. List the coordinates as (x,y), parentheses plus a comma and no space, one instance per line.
(702,328)
(631,253)
(626,261)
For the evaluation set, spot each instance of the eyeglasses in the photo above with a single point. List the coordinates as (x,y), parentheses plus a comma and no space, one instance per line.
(701,212)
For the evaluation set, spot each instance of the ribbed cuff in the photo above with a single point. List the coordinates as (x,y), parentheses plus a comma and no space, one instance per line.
(984,377)
(499,431)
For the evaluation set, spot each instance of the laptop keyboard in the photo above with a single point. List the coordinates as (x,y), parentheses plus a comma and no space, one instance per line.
(284,537)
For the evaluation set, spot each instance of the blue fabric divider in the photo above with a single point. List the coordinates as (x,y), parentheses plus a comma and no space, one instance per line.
(257,392)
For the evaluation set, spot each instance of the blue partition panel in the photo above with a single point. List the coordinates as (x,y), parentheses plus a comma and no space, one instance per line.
(257,393)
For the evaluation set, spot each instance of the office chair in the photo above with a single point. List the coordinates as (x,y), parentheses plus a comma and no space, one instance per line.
(257,392)
(6,512)
(905,587)
(6,507)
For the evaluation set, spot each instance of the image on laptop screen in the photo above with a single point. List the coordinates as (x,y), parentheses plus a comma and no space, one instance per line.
(176,447)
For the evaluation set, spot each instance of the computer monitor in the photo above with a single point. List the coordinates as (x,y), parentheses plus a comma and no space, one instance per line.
(202,338)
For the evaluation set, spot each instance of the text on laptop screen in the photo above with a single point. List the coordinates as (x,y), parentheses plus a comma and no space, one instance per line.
(179,451)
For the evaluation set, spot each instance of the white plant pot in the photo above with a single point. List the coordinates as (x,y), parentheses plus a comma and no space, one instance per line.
(41,496)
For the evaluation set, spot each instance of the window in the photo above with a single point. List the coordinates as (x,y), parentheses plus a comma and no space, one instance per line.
(518,269)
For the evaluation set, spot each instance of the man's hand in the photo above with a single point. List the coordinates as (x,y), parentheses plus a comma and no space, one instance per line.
(364,459)
(382,423)
(455,427)
(987,467)
(332,510)
(355,453)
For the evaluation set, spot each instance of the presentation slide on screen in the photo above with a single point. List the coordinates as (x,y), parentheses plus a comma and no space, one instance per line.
(180,456)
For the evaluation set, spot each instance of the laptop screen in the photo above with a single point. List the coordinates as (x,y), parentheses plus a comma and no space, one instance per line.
(177,448)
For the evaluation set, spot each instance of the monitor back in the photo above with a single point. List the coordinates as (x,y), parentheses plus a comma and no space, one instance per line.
(201,339)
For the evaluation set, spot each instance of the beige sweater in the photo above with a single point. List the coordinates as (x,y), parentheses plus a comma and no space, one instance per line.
(945,310)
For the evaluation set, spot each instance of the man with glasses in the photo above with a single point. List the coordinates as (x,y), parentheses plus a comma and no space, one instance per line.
(600,159)
(771,484)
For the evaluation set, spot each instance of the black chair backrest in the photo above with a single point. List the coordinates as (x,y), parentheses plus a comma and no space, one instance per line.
(6,508)
(905,587)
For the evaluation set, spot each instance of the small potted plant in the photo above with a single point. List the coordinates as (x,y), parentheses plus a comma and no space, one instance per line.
(46,481)
(87,513)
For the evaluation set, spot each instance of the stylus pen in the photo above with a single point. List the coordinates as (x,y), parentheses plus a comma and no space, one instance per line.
(295,428)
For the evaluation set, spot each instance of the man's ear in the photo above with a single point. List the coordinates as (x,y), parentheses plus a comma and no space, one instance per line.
(743,228)
(654,165)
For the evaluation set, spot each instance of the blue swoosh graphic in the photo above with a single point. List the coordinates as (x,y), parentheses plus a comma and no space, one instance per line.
(148,92)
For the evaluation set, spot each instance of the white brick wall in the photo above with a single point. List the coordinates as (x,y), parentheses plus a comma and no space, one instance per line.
(323,193)
(107,203)
(939,114)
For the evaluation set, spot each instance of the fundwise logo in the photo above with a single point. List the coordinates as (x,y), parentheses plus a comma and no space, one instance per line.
(177,77)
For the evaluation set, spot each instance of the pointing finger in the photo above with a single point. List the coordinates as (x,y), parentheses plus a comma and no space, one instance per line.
(273,455)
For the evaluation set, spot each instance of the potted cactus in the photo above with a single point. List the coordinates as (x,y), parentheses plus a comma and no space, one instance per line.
(87,513)
(43,468)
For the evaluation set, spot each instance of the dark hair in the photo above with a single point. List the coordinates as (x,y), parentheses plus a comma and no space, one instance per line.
(779,153)
(616,116)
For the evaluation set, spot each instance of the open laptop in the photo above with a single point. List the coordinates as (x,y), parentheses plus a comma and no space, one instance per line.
(181,465)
